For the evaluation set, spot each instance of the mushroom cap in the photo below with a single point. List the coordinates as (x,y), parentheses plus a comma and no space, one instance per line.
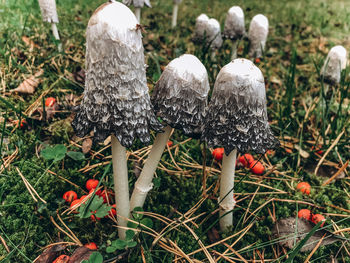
(116,98)
(176,2)
(137,3)
(334,64)
(257,34)
(48,11)
(234,24)
(237,117)
(214,34)
(200,27)
(180,96)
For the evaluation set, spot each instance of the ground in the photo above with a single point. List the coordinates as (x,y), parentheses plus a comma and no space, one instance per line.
(310,120)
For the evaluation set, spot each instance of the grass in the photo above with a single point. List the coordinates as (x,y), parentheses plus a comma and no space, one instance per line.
(301,113)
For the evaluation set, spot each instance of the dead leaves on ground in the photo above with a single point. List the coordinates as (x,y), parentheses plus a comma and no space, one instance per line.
(29,85)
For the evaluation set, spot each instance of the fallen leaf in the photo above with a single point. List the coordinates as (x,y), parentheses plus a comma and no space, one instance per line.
(213,235)
(80,254)
(49,254)
(325,171)
(86,147)
(29,42)
(28,85)
(291,230)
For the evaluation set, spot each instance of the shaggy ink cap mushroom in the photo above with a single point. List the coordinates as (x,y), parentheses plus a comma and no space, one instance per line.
(180,95)
(176,2)
(234,23)
(200,28)
(257,34)
(48,11)
(214,37)
(116,99)
(237,117)
(334,64)
(138,3)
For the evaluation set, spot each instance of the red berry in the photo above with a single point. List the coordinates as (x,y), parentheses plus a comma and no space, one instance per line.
(76,201)
(305,213)
(98,192)
(257,167)
(91,246)
(218,154)
(91,184)
(113,211)
(62,259)
(257,60)
(316,218)
(246,159)
(49,102)
(70,196)
(82,198)
(170,143)
(107,196)
(304,187)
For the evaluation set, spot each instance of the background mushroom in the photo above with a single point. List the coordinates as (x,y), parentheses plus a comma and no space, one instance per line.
(175,11)
(234,27)
(116,99)
(236,119)
(334,64)
(257,34)
(138,4)
(180,99)
(49,14)
(200,28)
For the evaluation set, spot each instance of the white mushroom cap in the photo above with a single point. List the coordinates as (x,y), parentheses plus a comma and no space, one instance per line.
(116,98)
(48,11)
(258,31)
(214,34)
(237,115)
(334,64)
(180,95)
(137,3)
(200,27)
(176,2)
(234,24)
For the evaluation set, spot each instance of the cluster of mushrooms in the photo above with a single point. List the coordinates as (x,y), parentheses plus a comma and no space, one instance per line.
(116,100)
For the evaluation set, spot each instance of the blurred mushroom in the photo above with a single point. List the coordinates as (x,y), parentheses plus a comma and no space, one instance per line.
(138,4)
(49,14)
(258,31)
(236,119)
(116,99)
(333,65)
(175,11)
(208,31)
(234,27)
(180,99)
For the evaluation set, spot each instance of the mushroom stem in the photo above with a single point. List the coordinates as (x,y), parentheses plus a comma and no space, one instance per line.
(174,18)
(138,13)
(56,35)
(227,202)
(121,184)
(213,55)
(235,43)
(144,183)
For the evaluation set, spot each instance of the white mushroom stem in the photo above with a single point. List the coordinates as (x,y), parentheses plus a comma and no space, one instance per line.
(235,43)
(121,185)
(174,18)
(144,183)
(138,13)
(227,201)
(56,35)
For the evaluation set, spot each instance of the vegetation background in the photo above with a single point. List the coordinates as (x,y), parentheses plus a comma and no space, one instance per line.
(304,115)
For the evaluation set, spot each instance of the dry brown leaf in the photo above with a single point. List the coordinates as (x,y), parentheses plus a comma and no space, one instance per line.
(29,42)
(50,254)
(28,85)
(86,147)
(290,231)
(80,254)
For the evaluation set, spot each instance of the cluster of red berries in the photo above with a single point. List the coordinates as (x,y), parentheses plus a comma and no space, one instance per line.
(247,160)
(315,218)
(304,188)
(71,197)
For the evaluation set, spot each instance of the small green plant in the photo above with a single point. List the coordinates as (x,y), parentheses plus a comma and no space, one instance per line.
(96,207)
(95,257)
(58,152)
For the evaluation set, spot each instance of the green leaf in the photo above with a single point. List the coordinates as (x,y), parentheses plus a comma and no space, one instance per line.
(85,261)
(56,153)
(136,215)
(132,225)
(131,243)
(111,249)
(103,210)
(129,234)
(156,182)
(147,222)
(76,156)
(96,257)
(96,206)
(119,244)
